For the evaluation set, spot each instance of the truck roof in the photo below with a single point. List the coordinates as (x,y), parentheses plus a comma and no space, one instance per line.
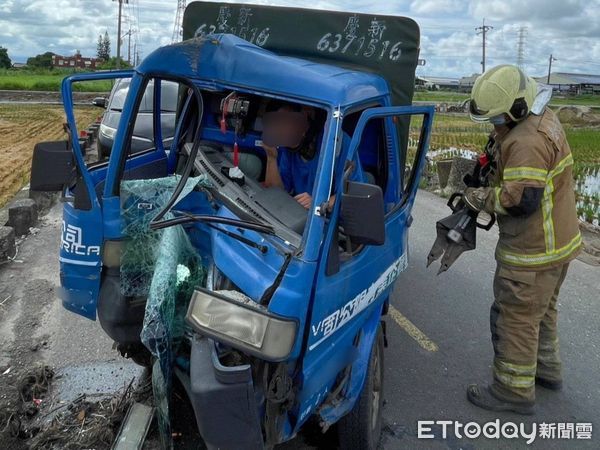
(228,59)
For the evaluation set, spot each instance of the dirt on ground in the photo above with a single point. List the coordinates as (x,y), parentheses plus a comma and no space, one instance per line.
(578,115)
(21,127)
(47,96)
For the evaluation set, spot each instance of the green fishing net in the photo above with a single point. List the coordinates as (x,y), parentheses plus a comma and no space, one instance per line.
(164,267)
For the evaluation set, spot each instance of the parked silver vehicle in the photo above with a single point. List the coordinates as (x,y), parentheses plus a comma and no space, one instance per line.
(142,138)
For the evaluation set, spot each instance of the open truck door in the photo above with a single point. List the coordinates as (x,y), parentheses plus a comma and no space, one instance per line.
(365,249)
(91,229)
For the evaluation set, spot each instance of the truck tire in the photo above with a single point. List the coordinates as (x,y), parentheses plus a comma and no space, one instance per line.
(360,429)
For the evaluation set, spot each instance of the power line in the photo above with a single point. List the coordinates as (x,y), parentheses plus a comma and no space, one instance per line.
(521,48)
(483,29)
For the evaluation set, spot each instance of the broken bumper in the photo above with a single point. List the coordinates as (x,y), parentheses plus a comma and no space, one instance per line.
(223,400)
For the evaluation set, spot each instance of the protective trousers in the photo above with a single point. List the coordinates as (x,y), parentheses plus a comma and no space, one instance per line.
(523,322)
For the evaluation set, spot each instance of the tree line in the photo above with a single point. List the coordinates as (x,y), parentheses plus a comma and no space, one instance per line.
(44,60)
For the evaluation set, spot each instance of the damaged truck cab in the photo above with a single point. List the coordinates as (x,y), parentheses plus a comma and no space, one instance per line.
(268,313)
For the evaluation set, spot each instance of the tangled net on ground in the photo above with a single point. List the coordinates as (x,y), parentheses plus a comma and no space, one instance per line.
(88,424)
(82,423)
(36,383)
(30,388)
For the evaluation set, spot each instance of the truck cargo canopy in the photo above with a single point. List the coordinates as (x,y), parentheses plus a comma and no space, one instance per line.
(385,45)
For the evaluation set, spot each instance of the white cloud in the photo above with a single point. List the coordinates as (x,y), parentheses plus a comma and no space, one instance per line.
(569,29)
(436,7)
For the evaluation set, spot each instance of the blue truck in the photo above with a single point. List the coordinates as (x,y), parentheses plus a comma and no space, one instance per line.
(267,312)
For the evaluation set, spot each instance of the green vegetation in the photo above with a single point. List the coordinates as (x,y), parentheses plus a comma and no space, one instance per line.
(45,80)
(580,100)
(5,62)
(457,97)
(440,96)
(43,61)
(111,64)
(103,47)
(457,130)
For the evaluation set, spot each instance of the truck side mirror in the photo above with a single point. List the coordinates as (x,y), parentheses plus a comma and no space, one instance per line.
(52,166)
(100,102)
(362,213)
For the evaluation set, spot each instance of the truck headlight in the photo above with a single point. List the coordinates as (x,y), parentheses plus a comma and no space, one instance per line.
(242,326)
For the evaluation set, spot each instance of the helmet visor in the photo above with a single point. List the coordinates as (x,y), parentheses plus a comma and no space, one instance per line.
(477,115)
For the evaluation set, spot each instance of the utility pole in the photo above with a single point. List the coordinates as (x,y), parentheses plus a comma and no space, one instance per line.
(128,46)
(552,58)
(483,29)
(119,31)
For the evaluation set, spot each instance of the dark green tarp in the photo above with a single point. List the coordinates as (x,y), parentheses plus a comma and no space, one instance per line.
(386,45)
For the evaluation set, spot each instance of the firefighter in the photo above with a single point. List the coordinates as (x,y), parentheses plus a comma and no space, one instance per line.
(532,194)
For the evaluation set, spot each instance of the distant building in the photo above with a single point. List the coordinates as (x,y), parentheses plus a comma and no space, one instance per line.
(19,65)
(575,83)
(436,83)
(75,62)
(465,84)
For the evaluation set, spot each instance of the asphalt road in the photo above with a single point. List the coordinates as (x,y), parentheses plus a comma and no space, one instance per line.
(427,366)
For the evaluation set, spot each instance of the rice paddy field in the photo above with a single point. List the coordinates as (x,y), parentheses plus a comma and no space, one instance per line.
(457,97)
(457,135)
(21,127)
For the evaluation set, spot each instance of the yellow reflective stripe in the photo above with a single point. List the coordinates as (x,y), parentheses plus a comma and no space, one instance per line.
(497,205)
(547,222)
(535,173)
(540,258)
(515,375)
(515,369)
(561,166)
(515,381)
(548,204)
(527,173)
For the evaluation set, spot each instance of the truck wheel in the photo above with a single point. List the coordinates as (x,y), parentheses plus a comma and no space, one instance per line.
(360,429)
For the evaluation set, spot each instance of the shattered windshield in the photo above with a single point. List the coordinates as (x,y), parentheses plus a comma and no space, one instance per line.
(262,156)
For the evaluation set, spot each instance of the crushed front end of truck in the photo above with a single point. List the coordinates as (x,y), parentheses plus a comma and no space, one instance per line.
(267,312)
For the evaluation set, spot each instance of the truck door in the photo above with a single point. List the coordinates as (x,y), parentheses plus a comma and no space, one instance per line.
(91,213)
(354,281)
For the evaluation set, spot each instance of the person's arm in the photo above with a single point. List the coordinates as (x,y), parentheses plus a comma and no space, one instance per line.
(272,174)
(522,186)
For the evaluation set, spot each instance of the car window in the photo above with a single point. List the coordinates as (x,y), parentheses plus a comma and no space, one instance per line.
(168,97)
(119,94)
(143,137)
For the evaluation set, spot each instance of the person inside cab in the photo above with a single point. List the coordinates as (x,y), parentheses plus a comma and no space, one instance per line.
(290,140)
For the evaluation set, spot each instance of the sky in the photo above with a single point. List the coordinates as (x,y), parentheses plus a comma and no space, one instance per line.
(567,29)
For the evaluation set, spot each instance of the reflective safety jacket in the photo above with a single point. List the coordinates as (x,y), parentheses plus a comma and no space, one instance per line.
(534,161)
